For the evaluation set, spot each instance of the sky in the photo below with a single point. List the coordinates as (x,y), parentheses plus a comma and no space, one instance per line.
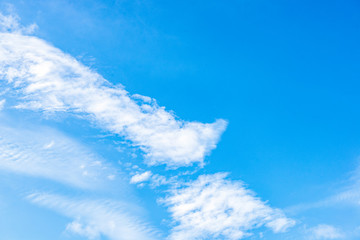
(128,120)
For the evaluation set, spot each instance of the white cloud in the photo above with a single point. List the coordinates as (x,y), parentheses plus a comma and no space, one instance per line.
(152,180)
(94,218)
(141,177)
(49,145)
(44,152)
(10,23)
(46,79)
(158,180)
(324,231)
(2,104)
(88,231)
(214,207)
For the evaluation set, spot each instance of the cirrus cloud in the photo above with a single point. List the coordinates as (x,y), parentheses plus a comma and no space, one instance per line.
(95,218)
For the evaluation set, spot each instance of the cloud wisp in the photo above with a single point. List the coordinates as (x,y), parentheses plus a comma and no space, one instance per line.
(324,231)
(95,218)
(46,79)
(214,207)
(2,104)
(348,195)
(47,153)
(11,23)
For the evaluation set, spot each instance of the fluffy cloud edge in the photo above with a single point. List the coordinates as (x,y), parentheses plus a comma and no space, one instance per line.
(44,78)
(213,206)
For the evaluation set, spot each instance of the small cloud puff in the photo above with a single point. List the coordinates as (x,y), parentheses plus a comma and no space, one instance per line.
(49,145)
(141,177)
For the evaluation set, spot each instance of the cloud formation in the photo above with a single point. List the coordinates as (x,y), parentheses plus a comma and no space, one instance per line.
(46,79)
(96,218)
(47,153)
(43,78)
(214,207)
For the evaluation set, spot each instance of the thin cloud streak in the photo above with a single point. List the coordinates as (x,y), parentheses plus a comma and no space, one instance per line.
(2,104)
(348,195)
(96,218)
(47,153)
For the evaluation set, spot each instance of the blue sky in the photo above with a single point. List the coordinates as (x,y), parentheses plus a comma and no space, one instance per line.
(179,120)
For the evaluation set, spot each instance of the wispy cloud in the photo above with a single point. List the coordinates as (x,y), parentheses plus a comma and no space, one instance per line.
(95,218)
(214,207)
(47,153)
(324,231)
(2,104)
(347,195)
(10,23)
(47,79)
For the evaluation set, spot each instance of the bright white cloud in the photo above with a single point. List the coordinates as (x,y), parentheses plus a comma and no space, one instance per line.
(46,79)
(214,207)
(93,219)
(324,231)
(154,180)
(47,153)
(141,177)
